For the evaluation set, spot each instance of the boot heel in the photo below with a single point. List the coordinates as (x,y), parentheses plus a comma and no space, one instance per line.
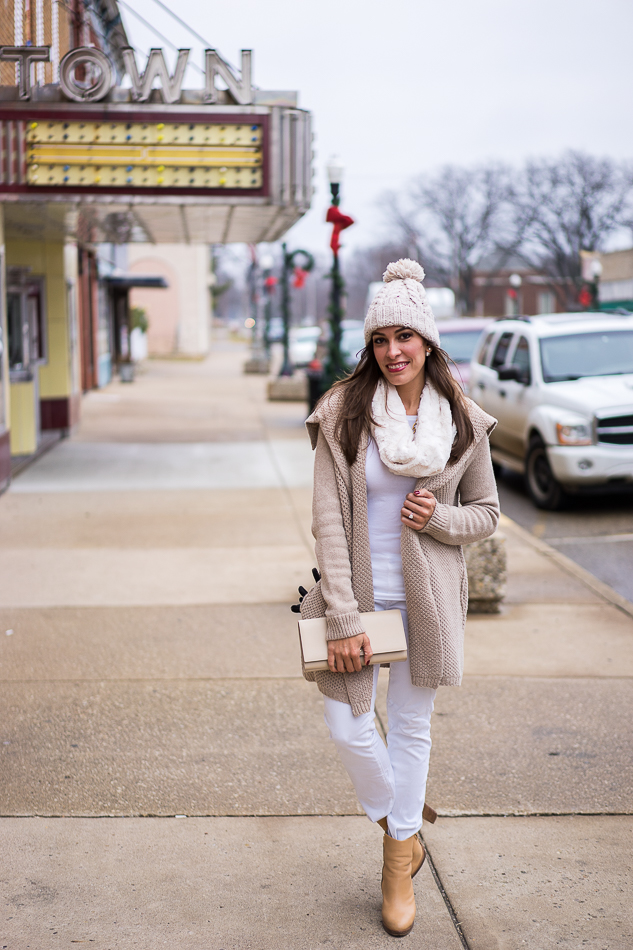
(398,933)
(429,814)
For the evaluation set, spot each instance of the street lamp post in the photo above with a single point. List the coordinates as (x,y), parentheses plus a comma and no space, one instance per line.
(515,281)
(258,361)
(590,273)
(289,265)
(596,273)
(335,366)
(267,263)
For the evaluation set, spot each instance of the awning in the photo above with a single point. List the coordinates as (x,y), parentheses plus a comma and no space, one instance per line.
(127,281)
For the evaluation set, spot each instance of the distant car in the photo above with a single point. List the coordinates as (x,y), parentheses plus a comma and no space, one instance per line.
(275,330)
(303,344)
(352,342)
(561,386)
(459,338)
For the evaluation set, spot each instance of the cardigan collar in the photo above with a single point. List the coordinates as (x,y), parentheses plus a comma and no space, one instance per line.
(324,418)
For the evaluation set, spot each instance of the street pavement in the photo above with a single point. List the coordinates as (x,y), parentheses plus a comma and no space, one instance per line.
(594,529)
(167,777)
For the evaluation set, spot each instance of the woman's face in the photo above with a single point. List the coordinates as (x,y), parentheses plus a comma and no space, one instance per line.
(400,353)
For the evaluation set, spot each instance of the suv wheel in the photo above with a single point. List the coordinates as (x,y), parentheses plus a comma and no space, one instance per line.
(542,487)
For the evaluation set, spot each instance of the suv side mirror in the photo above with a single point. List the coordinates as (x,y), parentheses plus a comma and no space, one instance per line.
(511,372)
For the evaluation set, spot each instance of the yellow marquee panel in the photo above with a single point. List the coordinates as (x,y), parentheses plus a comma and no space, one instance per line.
(188,155)
(139,176)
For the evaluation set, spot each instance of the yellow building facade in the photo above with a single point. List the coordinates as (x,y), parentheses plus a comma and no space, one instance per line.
(41,289)
(5,405)
(40,362)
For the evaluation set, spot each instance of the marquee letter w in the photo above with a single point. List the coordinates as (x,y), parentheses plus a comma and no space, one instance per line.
(156,67)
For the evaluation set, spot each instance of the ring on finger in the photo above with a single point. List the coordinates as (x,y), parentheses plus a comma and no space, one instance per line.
(410,516)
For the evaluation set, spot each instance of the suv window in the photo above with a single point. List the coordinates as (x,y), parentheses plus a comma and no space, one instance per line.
(607,353)
(521,359)
(485,346)
(501,351)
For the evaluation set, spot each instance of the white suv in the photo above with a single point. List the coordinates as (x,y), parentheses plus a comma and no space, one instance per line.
(561,386)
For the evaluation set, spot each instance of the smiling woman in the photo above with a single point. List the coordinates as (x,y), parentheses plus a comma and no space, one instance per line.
(402,479)
(401,354)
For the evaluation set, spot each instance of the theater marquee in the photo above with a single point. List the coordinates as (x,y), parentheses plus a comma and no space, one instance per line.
(87,140)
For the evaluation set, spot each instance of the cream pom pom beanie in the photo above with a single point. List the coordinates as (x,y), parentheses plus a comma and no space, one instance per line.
(402,303)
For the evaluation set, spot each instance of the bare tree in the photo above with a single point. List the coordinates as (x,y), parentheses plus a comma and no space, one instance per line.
(452,220)
(565,205)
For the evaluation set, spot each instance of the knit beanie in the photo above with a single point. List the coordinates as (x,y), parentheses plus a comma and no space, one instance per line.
(402,303)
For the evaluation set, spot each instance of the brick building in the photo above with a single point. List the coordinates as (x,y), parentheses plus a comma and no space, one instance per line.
(508,288)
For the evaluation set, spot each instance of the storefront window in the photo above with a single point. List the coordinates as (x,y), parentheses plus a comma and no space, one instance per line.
(25,328)
(18,339)
(35,318)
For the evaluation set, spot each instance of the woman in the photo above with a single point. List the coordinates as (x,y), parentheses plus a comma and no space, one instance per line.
(402,479)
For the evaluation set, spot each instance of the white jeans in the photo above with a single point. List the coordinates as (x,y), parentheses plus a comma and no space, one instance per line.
(390,780)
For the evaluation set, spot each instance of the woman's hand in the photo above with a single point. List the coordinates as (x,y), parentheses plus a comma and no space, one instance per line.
(420,504)
(343,656)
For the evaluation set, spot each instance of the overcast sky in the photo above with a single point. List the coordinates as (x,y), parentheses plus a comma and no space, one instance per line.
(399,88)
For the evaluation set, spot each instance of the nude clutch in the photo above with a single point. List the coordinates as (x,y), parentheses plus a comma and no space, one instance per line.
(383,627)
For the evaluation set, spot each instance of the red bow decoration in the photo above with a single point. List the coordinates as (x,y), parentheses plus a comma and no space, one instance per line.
(299,277)
(340,222)
(584,297)
(270,283)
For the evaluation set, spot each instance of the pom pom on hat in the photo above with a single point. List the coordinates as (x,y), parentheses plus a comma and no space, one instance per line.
(404,270)
(402,302)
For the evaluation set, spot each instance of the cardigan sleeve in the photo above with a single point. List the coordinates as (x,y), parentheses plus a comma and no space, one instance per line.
(342,616)
(478,513)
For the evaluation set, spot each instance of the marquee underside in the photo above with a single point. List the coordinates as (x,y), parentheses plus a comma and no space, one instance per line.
(170,223)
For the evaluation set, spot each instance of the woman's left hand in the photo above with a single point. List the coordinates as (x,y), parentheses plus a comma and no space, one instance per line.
(420,504)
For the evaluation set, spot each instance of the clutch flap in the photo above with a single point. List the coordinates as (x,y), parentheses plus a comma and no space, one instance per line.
(383,627)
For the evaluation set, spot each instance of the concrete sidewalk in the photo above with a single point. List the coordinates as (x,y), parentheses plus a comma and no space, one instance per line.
(167,779)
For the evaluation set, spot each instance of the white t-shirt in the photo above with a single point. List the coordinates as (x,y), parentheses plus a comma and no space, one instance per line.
(386,494)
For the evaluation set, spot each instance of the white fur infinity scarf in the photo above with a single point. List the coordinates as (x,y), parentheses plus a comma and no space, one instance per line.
(426,452)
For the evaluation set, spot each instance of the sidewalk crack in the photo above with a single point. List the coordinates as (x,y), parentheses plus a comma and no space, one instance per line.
(447,901)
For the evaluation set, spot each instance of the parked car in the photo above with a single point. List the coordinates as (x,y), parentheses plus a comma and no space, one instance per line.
(561,387)
(303,344)
(459,338)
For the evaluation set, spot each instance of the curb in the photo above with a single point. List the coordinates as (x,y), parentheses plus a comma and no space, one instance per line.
(570,567)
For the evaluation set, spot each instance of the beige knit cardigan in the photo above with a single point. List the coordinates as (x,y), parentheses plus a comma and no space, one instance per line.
(434,570)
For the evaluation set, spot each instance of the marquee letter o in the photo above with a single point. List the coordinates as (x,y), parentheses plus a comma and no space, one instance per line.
(76,57)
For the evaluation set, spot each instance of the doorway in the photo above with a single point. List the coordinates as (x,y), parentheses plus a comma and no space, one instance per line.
(26,343)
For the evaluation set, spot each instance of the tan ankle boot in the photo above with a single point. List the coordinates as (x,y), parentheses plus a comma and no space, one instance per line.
(398,901)
(419,853)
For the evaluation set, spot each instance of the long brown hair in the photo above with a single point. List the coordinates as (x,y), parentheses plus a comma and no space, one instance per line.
(355,418)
